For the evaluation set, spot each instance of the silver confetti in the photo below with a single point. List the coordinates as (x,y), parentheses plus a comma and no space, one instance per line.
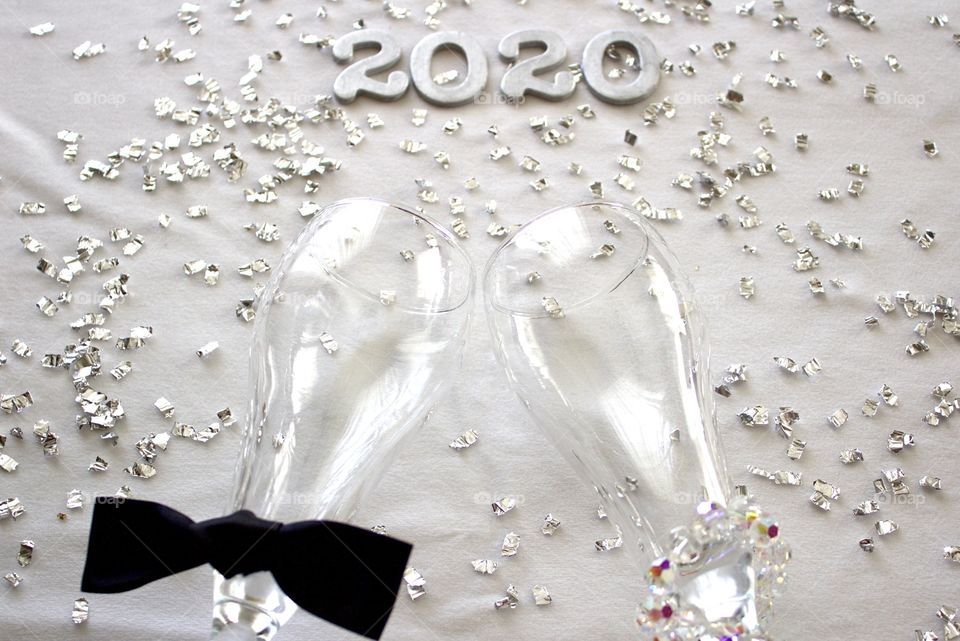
(484,566)
(827,489)
(328,343)
(552,307)
(747,287)
(511,544)
(11,508)
(551,525)
(208,349)
(838,418)
(931,482)
(887,395)
(821,501)
(465,440)
(504,505)
(81,611)
(141,470)
(811,367)
(795,449)
(75,499)
(25,555)
(609,543)
(753,416)
(864,508)
(885,527)
(851,456)
(787,364)
(542,597)
(510,601)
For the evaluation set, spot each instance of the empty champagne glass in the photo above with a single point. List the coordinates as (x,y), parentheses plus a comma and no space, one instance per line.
(601,339)
(356,333)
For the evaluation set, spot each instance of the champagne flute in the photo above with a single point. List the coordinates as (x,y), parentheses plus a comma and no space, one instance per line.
(356,334)
(603,342)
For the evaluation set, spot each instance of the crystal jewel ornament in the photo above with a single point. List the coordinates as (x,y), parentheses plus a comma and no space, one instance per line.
(606,348)
(356,334)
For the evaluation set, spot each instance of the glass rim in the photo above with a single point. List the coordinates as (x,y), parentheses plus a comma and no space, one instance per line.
(625,210)
(449,239)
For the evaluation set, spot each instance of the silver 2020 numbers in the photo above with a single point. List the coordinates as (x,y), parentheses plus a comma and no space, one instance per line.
(527,77)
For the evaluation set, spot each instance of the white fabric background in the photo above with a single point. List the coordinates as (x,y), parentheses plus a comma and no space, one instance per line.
(432,496)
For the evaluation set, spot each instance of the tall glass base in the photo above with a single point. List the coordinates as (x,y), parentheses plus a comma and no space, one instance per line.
(248,608)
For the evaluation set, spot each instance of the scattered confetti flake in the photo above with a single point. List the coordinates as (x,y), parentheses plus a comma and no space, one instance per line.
(8,463)
(98,465)
(898,440)
(867,544)
(931,482)
(885,527)
(165,407)
(811,367)
(542,597)
(511,544)
(795,449)
(504,505)
(785,420)
(13,579)
(870,506)
(465,440)
(484,566)
(838,418)
(208,349)
(951,553)
(552,307)
(15,403)
(81,611)
(551,525)
(25,555)
(787,364)
(747,287)
(887,395)
(806,260)
(328,343)
(75,499)
(42,29)
(141,470)
(930,148)
(11,508)
(610,543)
(851,456)
(821,501)
(510,601)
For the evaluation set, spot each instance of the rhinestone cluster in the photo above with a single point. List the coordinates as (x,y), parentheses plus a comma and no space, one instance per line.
(717,532)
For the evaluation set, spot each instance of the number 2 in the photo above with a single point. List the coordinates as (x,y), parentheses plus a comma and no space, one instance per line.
(355,80)
(523,77)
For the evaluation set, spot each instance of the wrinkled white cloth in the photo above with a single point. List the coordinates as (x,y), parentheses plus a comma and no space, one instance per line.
(432,496)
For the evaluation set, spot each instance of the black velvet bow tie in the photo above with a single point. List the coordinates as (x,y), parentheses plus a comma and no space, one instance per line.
(344,574)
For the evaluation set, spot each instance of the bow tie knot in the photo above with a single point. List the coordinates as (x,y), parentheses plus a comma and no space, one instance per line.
(344,574)
(240,543)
